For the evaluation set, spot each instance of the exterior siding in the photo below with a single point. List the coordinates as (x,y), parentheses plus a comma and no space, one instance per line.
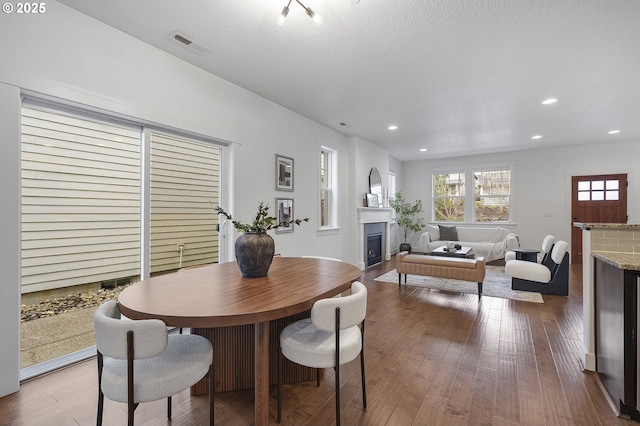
(80,201)
(185,182)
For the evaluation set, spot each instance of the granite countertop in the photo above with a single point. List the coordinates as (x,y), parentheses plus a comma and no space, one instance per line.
(630,261)
(630,226)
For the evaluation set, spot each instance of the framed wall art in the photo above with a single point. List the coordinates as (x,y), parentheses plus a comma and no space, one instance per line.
(284,173)
(284,208)
(372,200)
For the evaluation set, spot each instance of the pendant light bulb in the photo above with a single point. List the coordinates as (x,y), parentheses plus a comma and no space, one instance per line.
(283,15)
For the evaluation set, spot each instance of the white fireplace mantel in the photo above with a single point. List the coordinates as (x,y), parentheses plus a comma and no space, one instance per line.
(373,215)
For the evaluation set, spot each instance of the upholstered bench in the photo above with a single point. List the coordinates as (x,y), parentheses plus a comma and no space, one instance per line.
(442,267)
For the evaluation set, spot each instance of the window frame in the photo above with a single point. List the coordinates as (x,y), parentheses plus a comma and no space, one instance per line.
(463,197)
(469,196)
(331,227)
(509,196)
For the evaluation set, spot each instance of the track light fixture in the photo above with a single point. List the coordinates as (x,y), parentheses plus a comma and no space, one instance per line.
(316,18)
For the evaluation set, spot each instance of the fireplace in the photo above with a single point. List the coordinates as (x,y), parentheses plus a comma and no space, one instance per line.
(374,242)
(372,221)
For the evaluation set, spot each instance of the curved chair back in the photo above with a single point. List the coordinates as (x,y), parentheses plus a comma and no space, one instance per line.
(547,244)
(322,257)
(559,249)
(111,334)
(353,309)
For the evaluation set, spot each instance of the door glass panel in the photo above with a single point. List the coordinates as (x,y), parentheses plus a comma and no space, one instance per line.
(597,195)
(80,226)
(612,184)
(583,196)
(612,195)
(584,186)
(185,188)
(597,185)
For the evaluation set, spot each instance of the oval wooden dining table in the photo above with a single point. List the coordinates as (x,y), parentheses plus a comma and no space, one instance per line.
(216,296)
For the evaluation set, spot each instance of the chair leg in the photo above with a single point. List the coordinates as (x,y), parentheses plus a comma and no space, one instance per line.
(130,411)
(100,408)
(337,371)
(100,394)
(317,377)
(279,374)
(364,388)
(337,365)
(169,408)
(212,389)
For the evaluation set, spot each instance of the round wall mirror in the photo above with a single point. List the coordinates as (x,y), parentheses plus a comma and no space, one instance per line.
(375,184)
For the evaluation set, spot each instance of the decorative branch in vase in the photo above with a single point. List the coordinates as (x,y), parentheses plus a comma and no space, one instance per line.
(255,248)
(405,217)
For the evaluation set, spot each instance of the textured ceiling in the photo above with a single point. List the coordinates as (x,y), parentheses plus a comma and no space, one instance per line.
(457,77)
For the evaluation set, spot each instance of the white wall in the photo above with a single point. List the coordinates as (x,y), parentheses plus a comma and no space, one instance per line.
(541,183)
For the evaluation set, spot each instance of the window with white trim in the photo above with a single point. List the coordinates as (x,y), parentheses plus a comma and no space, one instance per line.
(448,196)
(328,208)
(488,201)
(492,195)
(84,209)
(392,184)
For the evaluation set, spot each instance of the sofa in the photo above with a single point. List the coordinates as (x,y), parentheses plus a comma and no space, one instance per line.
(489,242)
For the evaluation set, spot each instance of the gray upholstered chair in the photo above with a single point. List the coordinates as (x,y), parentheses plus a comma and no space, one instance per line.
(312,342)
(138,361)
(550,278)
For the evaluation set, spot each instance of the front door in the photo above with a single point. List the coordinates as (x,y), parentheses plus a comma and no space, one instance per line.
(596,199)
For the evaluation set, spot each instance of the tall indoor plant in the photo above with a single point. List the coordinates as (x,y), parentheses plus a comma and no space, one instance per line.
(255,248)
(406,217)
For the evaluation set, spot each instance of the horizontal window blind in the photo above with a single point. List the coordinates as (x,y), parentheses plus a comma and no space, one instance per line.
(80,201)
(185,186)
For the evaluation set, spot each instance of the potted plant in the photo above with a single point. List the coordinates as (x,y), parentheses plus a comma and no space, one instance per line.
(255,248)
(406,217)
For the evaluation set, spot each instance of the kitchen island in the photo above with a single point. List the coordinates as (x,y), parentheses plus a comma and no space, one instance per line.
(611,266)
(616,297)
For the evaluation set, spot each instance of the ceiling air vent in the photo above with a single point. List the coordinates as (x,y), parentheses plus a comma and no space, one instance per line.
(189,43)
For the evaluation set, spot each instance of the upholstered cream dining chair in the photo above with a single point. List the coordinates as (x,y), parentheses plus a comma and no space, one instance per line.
(138,361)
(333,336)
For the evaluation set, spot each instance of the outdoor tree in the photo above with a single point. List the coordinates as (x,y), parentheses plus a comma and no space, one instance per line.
(449,206)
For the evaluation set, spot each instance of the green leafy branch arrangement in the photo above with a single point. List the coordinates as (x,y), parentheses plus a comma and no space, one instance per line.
(262,222)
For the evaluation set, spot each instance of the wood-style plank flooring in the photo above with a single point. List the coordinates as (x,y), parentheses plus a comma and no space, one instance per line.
(432,358)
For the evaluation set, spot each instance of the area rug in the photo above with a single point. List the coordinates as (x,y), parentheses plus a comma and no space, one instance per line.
(496,284)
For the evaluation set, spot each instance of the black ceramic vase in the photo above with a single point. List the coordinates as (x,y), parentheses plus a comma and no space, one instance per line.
(254,253)
(405,247)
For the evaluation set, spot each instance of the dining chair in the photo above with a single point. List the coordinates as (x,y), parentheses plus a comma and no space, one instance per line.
(333,336)
(321,257)
(138,361)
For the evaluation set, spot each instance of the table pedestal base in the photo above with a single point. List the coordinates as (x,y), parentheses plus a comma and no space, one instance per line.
(233,351)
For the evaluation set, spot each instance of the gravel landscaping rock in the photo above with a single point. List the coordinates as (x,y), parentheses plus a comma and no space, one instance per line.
(69,303)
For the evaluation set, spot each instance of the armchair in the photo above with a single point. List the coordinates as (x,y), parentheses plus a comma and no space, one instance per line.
(549,278)
(547,246)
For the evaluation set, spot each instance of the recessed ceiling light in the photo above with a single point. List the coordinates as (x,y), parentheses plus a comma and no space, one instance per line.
(536,137)
(392,127)
(423,149)
(549,101)
(613,132)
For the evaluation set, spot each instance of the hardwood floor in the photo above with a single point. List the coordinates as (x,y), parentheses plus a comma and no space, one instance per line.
(431,358)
